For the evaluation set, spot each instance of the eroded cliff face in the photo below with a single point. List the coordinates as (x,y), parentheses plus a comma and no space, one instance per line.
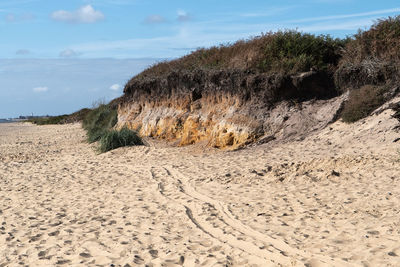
(228,109)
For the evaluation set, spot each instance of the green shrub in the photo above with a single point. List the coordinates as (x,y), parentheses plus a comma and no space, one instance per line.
(292,51)
(112,139)
(98,121)
(362,102)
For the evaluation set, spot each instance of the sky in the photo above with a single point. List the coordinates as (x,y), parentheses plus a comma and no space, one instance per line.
(59,56)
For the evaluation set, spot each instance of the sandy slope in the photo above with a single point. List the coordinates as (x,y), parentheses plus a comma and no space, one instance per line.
(331,199)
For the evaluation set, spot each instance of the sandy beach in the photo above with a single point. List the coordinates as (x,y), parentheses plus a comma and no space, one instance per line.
(331,199)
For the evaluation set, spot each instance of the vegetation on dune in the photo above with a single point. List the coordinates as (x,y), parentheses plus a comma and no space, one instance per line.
(98,121)
(370,68)
(283,51)
(381,41)
(372,57)
(77,116)
(293,52)
(365,63)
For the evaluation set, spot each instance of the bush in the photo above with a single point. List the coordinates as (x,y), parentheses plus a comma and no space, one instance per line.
(373,57)
(292,52)
(112,139)
(362,102)
(98,121)
(381,41)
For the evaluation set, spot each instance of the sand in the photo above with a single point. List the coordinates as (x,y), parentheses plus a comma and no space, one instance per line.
(331,199)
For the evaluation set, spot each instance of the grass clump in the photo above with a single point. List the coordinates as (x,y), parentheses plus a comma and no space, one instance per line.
(98,121)
(362,102)
(112,139)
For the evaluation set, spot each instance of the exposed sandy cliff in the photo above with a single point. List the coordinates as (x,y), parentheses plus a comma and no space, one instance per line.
(277,86)
(229,108)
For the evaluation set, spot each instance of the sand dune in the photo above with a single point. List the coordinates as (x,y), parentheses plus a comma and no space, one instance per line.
(331,199)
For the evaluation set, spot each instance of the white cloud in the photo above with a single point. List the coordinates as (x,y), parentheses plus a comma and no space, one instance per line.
(68,53)
(154,19)
(40,89)
(115,87)
(183,16)
(85,14)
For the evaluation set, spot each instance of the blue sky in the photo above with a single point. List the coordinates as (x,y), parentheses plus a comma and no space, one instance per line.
(59,56)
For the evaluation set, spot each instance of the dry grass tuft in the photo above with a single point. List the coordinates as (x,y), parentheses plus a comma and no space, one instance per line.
(362,102)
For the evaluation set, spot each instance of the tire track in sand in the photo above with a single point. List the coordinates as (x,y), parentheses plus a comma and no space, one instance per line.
(207,218)
(215,219)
